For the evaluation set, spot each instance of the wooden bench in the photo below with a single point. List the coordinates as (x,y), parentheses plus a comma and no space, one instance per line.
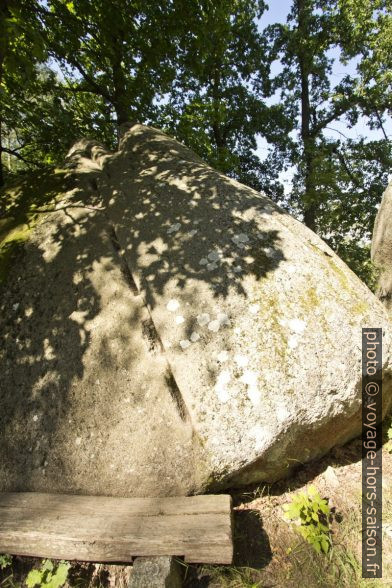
(107,529)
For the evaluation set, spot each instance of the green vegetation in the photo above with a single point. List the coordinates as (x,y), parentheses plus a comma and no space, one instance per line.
(219,80)
(387,433)
(24,202)
(389,444)
(232,577)
(5,561)
(49,575)
(309,514)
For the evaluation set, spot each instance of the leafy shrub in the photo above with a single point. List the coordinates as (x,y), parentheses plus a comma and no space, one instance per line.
(49,575)
(387,432)
(310,515)
(389,442)
(5,561)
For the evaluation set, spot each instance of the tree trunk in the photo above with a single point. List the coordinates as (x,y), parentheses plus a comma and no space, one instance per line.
(4,13)
(1,160)
(308,140)
(120,108)
(219,142)
(120,102)
(216,123)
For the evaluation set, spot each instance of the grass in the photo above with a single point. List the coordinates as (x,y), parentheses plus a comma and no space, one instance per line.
(292,561)
(387,432)
(23,203)
(342,566)
(297,563)
(231,577)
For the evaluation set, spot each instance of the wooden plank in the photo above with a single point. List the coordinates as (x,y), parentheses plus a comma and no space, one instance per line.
(99,528)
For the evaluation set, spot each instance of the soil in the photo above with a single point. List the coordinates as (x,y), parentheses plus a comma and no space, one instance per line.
(268,552)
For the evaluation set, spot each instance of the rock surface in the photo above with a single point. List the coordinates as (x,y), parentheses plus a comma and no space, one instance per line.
(191,334)
(86,393)
(382,247)
(156,572)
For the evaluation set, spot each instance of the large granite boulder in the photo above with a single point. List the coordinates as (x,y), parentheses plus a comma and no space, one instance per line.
(170,330)
(382,247)
(85,391)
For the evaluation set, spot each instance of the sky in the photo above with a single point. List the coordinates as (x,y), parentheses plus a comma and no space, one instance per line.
(277,13)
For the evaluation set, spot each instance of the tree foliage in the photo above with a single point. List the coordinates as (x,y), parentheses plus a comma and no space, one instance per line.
(217,103)
(338,181)
(120,51)
(202,70)
(21,49)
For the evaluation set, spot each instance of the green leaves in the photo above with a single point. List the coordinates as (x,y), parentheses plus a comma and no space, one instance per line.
(310,514)
(337,181)
(123,50)
(201,70)
(21,41)
(217,104)
(34,578)
(49,575)
(5,561)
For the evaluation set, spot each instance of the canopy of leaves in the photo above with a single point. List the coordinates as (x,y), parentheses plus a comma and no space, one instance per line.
(201,69)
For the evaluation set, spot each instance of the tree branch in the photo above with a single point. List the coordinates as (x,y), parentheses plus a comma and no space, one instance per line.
(350,174)
(337,131)
(381,125)
(93,84)
(337,113)
(59,53)
(19,156)
(79,90)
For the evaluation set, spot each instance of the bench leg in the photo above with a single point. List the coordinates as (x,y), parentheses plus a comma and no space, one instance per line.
(156,572)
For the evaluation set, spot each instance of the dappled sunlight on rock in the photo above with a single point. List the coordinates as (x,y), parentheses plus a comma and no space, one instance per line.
(168,330)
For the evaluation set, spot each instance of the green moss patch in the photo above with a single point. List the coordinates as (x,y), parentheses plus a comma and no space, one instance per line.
(361,307)
(24,203)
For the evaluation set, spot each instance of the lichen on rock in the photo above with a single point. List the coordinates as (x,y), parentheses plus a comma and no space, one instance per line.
(196,335)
